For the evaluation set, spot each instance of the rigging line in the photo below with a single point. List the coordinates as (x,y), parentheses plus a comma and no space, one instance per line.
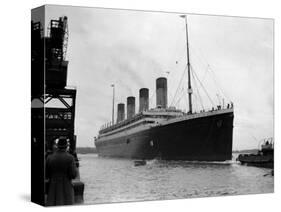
(202,86)
(218,84)
(179,59)
(181,51)
(182,77)
(183,55)
(205,74)
(186,102)
(196,87)
(177,90)
(219,90)
(179,96)
(179,85)
(195,102)
(202,58)
(169,96)
(214,77)
(182,93)
(200,99)
(196,54)
(181,48)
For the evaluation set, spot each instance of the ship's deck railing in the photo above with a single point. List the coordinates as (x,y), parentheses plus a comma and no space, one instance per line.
(154,113)
(188,116)
(158,113)
(213,109)
(122,128)
(109,126)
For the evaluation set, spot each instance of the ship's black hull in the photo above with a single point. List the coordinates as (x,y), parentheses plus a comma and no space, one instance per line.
(206,138)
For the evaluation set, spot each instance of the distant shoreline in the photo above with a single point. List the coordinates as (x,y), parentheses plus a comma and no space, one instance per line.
(86,150)
(249,151)
(93,150)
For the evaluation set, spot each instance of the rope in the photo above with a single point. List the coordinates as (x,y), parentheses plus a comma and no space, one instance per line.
(179,84)
(186,102)
(200,99)
(218,85)
(182,93)
(202,86)
(204,61)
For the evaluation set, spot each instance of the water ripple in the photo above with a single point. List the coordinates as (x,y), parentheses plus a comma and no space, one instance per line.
(118,180)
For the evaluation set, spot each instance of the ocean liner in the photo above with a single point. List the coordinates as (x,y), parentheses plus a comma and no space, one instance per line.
(166,132)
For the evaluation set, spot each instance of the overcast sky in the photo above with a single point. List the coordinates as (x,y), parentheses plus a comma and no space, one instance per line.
(232,57)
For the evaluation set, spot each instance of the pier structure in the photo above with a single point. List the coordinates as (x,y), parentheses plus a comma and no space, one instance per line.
(53,102)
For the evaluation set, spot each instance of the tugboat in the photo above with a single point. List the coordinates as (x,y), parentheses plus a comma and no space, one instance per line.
(264,158)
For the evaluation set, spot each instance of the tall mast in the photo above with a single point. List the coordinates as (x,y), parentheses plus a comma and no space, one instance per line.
(188,67)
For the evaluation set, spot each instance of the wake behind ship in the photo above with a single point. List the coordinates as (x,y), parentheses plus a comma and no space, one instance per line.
(166,132)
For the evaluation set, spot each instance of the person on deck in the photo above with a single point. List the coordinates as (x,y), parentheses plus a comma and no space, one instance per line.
(60,170)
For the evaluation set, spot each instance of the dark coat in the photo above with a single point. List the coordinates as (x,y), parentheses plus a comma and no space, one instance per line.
(60,170)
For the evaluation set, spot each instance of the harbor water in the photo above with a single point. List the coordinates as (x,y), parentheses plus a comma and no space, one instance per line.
(118,180)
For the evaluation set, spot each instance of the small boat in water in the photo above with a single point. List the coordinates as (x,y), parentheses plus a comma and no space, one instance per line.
(264,157)
(140,162)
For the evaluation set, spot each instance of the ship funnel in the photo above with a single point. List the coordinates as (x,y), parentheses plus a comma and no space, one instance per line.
(161,92)
(144,101)
(120,112)
(130,107)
